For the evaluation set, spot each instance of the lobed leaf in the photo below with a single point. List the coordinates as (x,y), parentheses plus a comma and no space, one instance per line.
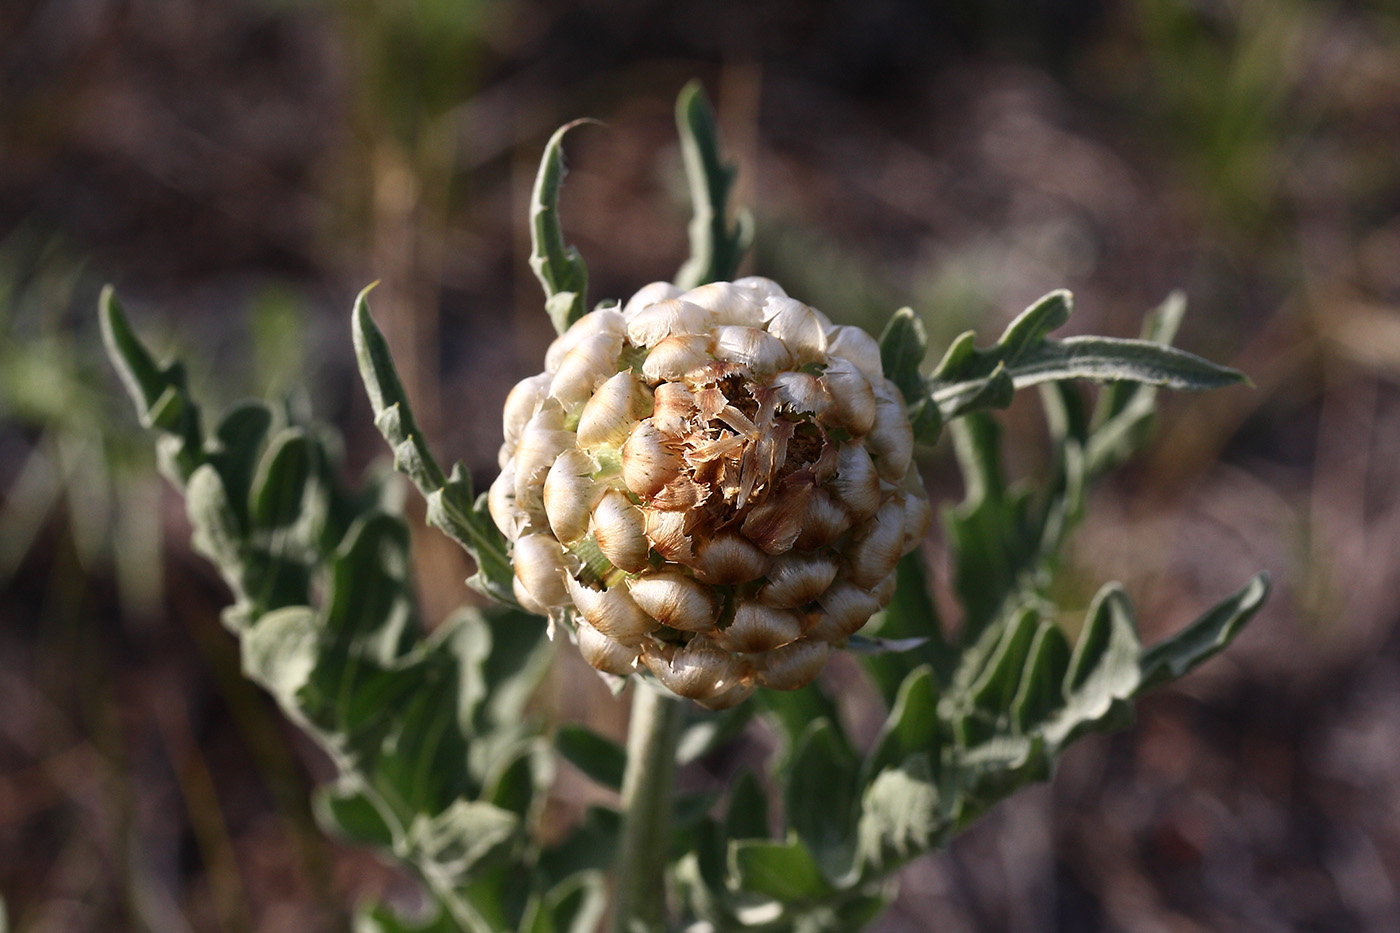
(453,506)
(560,269)
(970,379)
(716,247)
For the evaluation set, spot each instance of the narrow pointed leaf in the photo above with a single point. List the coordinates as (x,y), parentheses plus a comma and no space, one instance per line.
(716,246)
(969,379)
(1205,637)
(560,269)
(392,414)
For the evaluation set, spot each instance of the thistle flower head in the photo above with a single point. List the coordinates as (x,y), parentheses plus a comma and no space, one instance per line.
(715,484)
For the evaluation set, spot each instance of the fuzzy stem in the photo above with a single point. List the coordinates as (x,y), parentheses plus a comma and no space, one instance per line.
(647,789)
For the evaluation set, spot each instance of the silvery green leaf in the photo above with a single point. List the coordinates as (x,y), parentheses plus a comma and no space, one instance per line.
(716,247)
(452,843)
(969,378)
(343,808)
(1040,692)
(795,710)
(591,846)
(160,393)
(560,269)
(235,449)
(1123,416)
(453,506)
(1205,637)
(901,815)
(903,346)
(281,652)
(392,413)
(1103,673)
(380,918)
(864,644)
(992,531)
(912,727)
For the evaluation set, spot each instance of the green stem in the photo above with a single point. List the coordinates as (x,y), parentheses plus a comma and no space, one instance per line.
(647,787)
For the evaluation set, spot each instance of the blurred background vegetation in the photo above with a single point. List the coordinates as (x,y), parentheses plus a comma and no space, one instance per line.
(240,168)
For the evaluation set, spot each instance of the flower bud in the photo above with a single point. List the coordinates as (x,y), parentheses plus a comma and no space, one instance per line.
(674,408)
(856,485)
(591,361)
(758,350)
(731,303)
(602,321)
(606,654)
(542,440)
(611,611)
(763,288)
(918,516)
(845,607)
(825,522)
(852,400)
(757,627)
(793,666)
(669,318)
(732,477)
(796,579)
(699,670)
(891,439)
(676,599)
(673,358)
(569,495)
(797,327)
(728,558)
(521,405)
(649,460)
(539,566)
(500,502)
(800,391)
(647,296)
(618,527)
(609,415)
(876,545)
(860,348)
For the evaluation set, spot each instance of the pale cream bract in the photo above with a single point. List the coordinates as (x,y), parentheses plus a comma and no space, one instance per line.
(716,485)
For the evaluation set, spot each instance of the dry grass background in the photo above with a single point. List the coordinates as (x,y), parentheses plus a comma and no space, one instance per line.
(240,168)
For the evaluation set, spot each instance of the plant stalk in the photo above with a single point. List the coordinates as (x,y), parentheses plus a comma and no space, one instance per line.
(647,790)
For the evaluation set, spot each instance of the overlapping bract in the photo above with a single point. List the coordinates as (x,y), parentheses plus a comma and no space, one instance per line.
(716,483)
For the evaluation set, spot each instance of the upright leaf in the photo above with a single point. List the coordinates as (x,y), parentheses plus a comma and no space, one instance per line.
(716,247)
(453,506)
(560,269)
